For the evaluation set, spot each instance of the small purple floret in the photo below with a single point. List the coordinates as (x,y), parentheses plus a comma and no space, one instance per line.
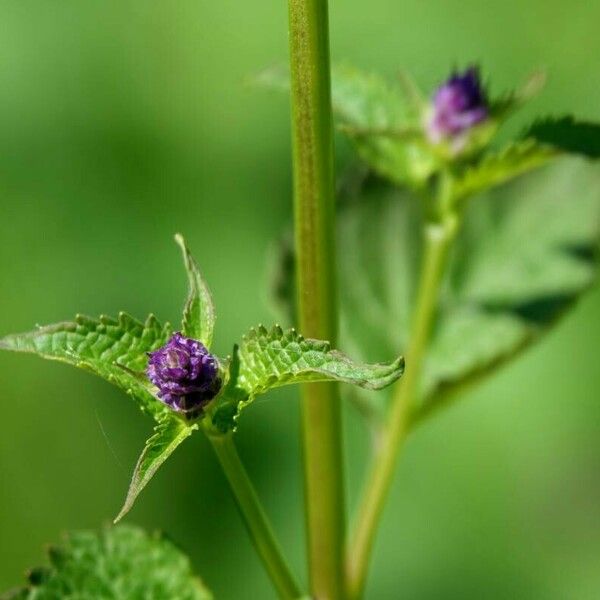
(185,373)
(458,105)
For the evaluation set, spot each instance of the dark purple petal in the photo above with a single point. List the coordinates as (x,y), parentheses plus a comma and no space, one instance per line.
(185,373)
(458,105)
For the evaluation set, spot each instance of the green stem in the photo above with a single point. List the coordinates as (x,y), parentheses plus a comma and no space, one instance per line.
(312,139)
(254,516)
(437,241)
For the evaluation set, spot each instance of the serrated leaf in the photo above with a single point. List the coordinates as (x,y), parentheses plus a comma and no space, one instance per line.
(114,349)
(267,359)
(272,358)
(527,251)
(496,168)
(123,563)
(199,311)
(168,434)
(568,135)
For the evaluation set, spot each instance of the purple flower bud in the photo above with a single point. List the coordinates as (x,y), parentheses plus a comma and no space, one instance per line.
(458,105)
(185,373)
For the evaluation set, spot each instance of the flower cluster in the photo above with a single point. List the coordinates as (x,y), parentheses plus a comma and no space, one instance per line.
(185,373)
(458,105)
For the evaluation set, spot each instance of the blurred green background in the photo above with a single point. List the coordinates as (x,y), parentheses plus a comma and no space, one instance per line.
(122,122)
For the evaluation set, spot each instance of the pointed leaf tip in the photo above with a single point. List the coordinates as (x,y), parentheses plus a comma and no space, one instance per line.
(168,434)
(199,310)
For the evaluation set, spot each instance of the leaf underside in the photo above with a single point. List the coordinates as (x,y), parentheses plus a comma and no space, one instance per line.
(114,349)
(272,358)
(525,254)
(121,562)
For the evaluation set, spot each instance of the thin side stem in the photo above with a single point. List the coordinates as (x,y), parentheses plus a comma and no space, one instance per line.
(314,210)
(437,241)
(255,518)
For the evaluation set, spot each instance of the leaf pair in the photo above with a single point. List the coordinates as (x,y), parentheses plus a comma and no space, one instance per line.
(117,349)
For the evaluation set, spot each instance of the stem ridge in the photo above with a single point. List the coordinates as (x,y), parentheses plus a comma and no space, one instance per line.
(314,214)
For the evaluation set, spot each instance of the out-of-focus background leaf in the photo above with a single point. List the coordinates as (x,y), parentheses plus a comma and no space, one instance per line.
(124,122)
(118,562)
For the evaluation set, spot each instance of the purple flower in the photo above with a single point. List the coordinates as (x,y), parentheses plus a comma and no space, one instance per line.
(185,373)
(458,105)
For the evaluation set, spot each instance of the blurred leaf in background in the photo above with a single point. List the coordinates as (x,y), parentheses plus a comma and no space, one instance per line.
(119,562)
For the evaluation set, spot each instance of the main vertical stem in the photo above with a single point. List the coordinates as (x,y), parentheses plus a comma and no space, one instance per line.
(312,133)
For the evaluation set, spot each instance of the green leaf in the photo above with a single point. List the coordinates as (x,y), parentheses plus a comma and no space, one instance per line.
(267,359)
(114,349)
(168,434)
(526,252)
(368,101)
(385,120)
(567,135)
(274,358)
(496,168)
(199,311)
(385,125)
(120,562)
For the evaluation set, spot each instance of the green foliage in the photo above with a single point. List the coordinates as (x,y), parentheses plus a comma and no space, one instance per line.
(269,359)
(119,563)
(495,168)
(385,121)
(117,349)
(525,254)
(168,434)
(199,311)
(568,135)
(114,349)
